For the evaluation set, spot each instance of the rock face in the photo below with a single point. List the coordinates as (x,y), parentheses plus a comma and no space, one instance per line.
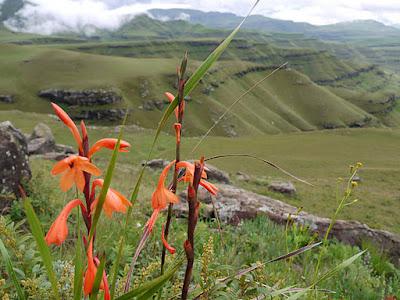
(41,142)
(6,99)
(83,97)
(156,164)
(151,105)
(14,165)
(242,176)
(114,114)
(234,204)
(286,188)
(216,174)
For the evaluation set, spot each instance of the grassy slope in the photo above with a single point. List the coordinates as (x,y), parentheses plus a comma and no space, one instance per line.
(319,157)
(350,78)
(289,101)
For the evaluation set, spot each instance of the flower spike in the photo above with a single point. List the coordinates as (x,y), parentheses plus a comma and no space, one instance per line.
(63,116)
(58,231)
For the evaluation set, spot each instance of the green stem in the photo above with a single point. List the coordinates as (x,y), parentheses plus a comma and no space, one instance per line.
(333,221)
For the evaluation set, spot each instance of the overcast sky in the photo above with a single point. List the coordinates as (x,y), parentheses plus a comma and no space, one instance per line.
(110,13)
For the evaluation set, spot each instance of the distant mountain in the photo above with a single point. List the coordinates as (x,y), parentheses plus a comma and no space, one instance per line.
(355,30)
(229,20)
(9,8)
(345,31)
(144,26)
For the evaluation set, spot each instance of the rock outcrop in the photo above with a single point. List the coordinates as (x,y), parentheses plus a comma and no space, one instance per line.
(215,174)
(286,188)
(6,99)
(41,142)
(14,165)
(81,97)
(156,164)
(151,105)
(114,114)
(234,204)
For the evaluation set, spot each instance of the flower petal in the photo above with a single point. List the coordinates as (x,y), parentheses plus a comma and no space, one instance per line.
(58,231)
(209,187)
(63,116)
(60,167)
(167,246)
(67,180)
(109,144)
(79,179)
(89,168)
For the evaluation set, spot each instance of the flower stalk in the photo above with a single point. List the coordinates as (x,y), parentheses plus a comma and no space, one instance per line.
(192,222)
(78,170)
(178,132)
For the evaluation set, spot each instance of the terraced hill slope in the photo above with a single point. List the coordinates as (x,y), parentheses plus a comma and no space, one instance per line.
(289,101)
(317,90)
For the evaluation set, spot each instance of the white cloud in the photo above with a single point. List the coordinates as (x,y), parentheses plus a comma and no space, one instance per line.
(48,16)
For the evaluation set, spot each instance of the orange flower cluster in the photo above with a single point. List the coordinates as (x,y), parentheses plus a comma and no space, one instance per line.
(76,170)
(162,196)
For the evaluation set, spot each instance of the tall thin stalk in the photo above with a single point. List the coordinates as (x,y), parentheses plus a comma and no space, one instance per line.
(192,222)
(343,202)
(181,91)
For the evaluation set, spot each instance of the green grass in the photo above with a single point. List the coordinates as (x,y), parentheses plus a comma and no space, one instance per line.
(319,157)
(234,248)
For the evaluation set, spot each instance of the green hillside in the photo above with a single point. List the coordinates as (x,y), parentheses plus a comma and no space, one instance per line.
(289,101)
(365,85)
(325,85)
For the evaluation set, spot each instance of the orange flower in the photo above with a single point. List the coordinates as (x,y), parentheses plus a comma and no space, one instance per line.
(162,196)
(73,167)
(90,273)
(58,231)
(165,243)
(188,177)
(115,201)
(70,124)
(109,144)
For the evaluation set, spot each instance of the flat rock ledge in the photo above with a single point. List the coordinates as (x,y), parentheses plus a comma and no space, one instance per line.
(81,97)
(234,204)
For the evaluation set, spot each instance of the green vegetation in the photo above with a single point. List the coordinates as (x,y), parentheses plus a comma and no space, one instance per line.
(253,242)
(289,101)
(326,86)
(318,157)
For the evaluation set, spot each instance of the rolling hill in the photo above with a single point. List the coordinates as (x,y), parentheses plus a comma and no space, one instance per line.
(326,85)
(288,102)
